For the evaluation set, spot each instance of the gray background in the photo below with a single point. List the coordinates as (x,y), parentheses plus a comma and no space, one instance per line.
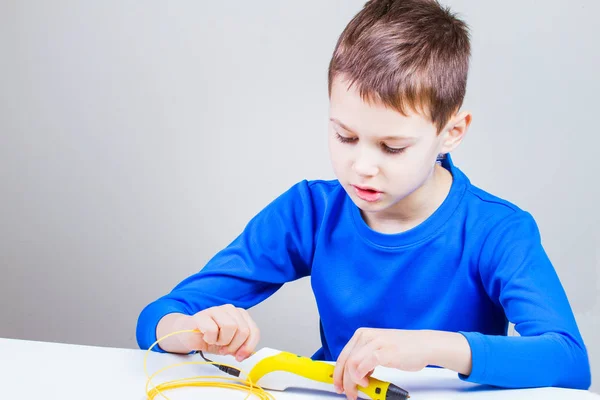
(138,138)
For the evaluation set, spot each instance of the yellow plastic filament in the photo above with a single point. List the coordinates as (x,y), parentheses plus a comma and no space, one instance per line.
(224,382)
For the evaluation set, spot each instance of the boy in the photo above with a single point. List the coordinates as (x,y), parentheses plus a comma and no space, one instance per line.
(410,264)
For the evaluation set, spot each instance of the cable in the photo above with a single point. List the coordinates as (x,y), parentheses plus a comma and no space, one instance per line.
(245,385)
(228,370)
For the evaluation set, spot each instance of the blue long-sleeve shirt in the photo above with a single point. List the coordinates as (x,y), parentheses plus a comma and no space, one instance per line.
(471,267)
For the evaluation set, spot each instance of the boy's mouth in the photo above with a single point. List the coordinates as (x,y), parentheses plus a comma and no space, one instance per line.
(367,194)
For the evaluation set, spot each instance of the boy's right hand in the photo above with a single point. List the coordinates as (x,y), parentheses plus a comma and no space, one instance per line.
(225,330)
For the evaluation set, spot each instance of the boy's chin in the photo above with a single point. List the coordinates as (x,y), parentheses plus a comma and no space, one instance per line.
(370,206)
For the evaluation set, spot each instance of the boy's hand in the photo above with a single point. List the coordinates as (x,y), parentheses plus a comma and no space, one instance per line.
(226,330)
(408,350)
(369,348)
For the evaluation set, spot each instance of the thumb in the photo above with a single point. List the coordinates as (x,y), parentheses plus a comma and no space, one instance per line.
(190,340)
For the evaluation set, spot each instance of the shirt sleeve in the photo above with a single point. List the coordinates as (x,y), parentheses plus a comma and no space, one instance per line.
(519,277)
(275,247)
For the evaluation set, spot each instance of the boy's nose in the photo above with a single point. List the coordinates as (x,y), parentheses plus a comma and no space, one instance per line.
(365,165)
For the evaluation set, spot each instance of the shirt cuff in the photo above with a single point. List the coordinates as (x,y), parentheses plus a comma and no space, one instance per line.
(479,357)
(149,319)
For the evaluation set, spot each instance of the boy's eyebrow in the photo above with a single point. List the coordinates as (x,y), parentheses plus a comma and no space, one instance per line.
(336,121)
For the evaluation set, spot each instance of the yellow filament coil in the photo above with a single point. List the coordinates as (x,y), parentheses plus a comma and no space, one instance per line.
(224,382)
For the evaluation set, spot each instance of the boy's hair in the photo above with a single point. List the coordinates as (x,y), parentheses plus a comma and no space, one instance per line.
(406,54)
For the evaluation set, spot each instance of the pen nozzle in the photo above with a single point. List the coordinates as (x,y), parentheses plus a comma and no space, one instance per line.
(396,393)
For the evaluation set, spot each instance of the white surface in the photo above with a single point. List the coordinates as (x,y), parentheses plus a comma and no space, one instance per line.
(40,370)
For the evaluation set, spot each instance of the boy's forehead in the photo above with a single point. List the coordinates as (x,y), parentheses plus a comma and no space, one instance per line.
(348,109)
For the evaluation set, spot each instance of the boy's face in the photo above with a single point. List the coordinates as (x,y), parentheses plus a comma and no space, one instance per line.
(380,156)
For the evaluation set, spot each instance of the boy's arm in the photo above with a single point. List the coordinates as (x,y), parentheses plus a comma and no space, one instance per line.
(518,276)
(275,247)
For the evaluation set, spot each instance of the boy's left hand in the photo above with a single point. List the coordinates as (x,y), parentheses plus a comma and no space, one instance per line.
(369,347)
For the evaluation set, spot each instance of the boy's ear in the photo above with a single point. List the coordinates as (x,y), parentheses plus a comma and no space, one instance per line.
(455,131)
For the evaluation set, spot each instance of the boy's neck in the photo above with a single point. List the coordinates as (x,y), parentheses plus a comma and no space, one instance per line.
(415,208)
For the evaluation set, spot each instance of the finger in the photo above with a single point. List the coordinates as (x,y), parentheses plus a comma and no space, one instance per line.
(208,328)
(241,334)
(368,359)
(338,371)
(253,337)
(213,349)
(227,326)
(189,340)
(362,349)
(348,382)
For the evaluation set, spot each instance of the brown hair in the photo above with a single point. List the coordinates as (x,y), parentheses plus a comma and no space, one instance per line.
(406,53)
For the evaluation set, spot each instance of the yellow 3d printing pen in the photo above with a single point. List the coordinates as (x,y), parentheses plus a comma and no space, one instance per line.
(279,370)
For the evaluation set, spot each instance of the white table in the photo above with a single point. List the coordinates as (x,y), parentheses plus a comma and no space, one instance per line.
(40,370)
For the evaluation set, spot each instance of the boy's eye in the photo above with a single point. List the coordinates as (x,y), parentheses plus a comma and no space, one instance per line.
(344,139)
(392,150)
(385,147)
